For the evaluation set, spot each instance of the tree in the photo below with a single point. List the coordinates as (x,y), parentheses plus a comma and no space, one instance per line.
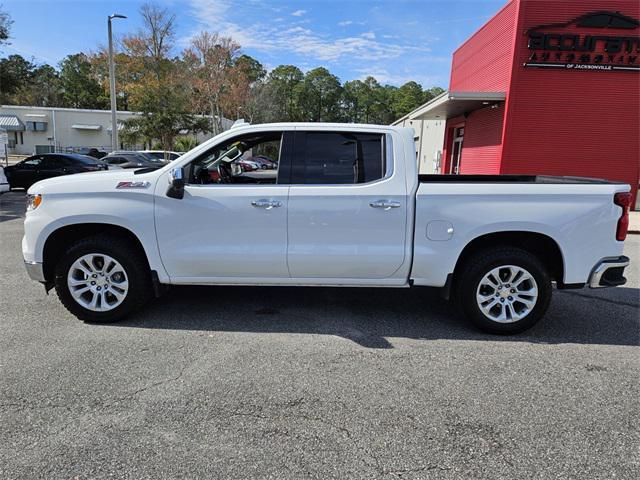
(407,98)
(210,59)
(79,84)
(432,93)
(278,94)
(163,126)
(244,78)
(15,72)
(251,67)
(5,26)
(184,144)
(156,84)
(364,100)
(150,47)
(318,96)
(42,88)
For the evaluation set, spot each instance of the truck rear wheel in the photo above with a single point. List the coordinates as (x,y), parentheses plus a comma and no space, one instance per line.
(102,279)
(504,290)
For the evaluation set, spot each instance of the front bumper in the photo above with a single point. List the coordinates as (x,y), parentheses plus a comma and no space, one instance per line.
(609,273)
(35,271)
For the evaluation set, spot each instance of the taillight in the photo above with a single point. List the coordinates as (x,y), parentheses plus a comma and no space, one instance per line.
(622,200)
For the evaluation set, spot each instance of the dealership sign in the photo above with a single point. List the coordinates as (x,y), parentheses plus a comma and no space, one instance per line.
(619,51)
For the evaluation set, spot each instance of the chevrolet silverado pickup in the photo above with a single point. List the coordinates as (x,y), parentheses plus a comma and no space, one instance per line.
(343,207)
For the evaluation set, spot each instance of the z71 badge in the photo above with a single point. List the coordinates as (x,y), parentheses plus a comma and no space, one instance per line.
(133,185)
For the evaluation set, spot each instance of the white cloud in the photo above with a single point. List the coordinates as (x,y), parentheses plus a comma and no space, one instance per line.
(345,23)
(218,15)
(384,77)
(299,13)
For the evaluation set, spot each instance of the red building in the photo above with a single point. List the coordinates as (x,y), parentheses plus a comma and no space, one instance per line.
(546,87)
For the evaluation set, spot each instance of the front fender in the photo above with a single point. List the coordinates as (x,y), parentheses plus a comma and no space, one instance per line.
(132,211)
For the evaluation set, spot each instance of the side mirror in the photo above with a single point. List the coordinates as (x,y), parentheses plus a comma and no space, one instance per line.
(176,184)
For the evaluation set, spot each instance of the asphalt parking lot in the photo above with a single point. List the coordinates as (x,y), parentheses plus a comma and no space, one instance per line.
(282,383)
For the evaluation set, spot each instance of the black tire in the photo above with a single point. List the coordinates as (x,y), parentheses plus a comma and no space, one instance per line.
(480,264)
(134,264)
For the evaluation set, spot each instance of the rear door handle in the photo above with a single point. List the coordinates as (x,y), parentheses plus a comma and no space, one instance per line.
(384,204)
(266,204)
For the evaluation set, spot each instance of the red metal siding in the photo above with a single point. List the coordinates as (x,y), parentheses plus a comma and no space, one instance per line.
(482,141)
(483,63)
(569,122)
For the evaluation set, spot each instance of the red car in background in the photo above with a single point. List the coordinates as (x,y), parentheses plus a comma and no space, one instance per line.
(263,162)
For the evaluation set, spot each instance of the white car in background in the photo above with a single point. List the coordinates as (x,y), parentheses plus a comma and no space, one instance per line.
(4,183)
(160,154)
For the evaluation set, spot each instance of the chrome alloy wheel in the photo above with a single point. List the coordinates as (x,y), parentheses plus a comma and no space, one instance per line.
(98,282)
(507,294)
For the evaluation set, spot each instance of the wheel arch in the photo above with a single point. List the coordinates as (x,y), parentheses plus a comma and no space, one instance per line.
(61,238)
(544,247)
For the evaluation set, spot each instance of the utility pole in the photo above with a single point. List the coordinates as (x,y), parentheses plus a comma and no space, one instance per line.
(112,86)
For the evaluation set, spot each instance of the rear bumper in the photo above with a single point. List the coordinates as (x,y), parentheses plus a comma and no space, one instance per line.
(609,273)
(35,271)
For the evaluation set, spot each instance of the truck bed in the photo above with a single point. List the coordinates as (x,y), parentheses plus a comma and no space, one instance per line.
(537,179)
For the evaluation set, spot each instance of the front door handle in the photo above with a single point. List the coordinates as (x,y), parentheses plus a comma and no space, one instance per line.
(266,204)
(384,204)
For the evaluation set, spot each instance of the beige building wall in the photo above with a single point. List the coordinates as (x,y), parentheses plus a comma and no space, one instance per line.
(67,128)
(429,138)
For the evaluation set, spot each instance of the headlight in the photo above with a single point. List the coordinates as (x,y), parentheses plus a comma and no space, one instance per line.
(33,201)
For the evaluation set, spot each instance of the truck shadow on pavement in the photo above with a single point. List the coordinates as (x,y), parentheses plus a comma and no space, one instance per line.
(371,317)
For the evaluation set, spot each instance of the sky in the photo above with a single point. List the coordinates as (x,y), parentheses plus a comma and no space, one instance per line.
(393,40)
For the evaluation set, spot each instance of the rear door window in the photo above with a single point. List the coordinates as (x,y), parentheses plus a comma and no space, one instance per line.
(52,162)
(32,162)
(338,158)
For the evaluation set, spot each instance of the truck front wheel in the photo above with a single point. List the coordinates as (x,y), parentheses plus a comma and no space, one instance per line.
(102,279)
(504,290)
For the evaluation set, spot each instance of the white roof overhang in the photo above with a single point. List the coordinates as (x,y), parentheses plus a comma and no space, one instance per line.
(454,104)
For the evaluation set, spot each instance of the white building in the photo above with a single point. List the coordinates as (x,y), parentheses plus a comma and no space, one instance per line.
(429,138)
(33,130)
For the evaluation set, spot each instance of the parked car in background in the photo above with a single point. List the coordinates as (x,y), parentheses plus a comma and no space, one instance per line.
(125,159)
(4,183)
(146,155)
(162,155)
(47,165)
(263,162)
(247,166)
(91,152)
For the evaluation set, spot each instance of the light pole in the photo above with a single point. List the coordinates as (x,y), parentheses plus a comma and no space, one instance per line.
(112,87)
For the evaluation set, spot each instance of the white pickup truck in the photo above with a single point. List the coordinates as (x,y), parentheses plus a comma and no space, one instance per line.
(344,206)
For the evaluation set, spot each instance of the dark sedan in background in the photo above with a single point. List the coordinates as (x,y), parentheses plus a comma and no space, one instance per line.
(47,165)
